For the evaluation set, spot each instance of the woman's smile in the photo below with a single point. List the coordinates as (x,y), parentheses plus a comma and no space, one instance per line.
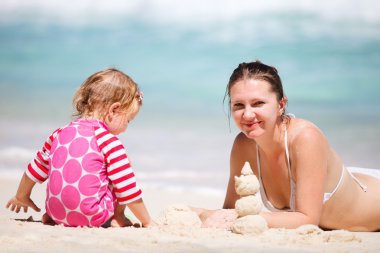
(251,124)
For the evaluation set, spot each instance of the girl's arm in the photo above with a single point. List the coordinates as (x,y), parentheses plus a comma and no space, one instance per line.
(139,210)
(37,171)
(22,198)
(122,177)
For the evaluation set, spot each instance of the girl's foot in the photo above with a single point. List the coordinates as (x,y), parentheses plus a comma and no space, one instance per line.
(46,220)
(121,222)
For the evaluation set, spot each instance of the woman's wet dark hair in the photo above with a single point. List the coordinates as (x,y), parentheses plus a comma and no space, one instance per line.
(259,71)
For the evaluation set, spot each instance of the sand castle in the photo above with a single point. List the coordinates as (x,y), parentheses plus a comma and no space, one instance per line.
(249,205)
(179,215)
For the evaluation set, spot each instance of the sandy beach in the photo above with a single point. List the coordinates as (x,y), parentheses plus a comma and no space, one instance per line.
(182,54)
(18,234)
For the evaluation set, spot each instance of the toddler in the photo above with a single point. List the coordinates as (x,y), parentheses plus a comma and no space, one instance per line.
(89,177)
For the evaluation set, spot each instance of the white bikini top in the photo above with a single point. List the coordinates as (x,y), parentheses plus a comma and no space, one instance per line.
(263,194)
(292,204)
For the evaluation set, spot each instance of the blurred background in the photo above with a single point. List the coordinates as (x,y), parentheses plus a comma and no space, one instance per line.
(182,53)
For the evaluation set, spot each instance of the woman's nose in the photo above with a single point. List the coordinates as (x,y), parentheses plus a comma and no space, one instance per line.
(248,113)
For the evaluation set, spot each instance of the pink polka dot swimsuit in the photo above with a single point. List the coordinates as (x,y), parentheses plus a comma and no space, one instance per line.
(87,171)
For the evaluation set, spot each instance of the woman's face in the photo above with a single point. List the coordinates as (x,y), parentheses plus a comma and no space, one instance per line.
(254,107)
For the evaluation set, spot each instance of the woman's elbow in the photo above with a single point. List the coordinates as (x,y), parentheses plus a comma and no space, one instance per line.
(309,220)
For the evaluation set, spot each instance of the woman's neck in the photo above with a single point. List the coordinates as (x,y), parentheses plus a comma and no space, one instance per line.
(272,143)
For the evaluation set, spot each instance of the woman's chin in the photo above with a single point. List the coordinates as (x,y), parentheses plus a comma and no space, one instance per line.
(252,134)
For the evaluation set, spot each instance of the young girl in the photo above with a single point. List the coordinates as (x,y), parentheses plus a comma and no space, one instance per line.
(89,177)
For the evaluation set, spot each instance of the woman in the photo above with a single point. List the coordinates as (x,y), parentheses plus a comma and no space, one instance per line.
(303,180)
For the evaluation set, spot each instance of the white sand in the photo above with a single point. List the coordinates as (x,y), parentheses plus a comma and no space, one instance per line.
(22,236)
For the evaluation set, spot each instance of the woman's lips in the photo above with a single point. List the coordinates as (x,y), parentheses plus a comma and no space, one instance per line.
(252,124)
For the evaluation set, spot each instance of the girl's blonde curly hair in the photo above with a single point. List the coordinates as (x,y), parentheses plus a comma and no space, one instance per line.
(102,89)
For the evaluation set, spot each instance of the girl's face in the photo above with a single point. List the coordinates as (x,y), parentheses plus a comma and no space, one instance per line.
(254,107)
(117,120)
(120,122)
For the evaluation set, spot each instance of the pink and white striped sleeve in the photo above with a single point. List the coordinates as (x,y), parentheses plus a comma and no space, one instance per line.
(119,169)
(38,168)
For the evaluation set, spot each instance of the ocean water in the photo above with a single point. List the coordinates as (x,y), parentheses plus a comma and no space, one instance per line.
(182,53)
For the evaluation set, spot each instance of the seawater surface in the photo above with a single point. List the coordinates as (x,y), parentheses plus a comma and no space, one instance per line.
(327,53)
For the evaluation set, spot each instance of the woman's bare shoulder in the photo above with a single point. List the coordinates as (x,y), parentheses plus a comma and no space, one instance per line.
(301,130)
(308,147)
(244,149)
(241,140)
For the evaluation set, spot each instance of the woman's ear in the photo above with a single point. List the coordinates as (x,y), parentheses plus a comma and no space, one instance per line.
(282,105)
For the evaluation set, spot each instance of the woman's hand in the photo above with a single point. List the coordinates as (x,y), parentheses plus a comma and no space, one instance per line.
(222,218)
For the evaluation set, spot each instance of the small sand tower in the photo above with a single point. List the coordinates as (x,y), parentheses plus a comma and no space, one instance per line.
(249,205)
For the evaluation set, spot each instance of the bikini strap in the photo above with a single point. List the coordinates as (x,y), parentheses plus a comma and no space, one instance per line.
(328,195)
(364,187)
(264,198)
(287,152)
(258,161)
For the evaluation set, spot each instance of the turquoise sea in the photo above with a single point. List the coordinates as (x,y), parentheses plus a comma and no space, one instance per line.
(182,53)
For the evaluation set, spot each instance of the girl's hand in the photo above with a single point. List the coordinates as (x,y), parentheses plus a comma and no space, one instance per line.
(16,203)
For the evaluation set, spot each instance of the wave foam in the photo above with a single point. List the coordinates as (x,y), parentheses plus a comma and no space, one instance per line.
(224,21)
(191,13)
(15,158)
(13,162)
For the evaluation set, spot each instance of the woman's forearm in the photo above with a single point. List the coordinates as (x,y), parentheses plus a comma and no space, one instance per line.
(287,219)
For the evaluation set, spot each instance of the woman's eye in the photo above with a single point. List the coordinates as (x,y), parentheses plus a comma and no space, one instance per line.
(258,103)
(237,106)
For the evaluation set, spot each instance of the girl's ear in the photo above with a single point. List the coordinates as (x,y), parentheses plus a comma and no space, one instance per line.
(112,111)
(282,105)
(114,108)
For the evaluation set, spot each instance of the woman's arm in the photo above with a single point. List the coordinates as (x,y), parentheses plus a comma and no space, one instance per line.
(224,218)
(242,151)
(309,157)
(310,166)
